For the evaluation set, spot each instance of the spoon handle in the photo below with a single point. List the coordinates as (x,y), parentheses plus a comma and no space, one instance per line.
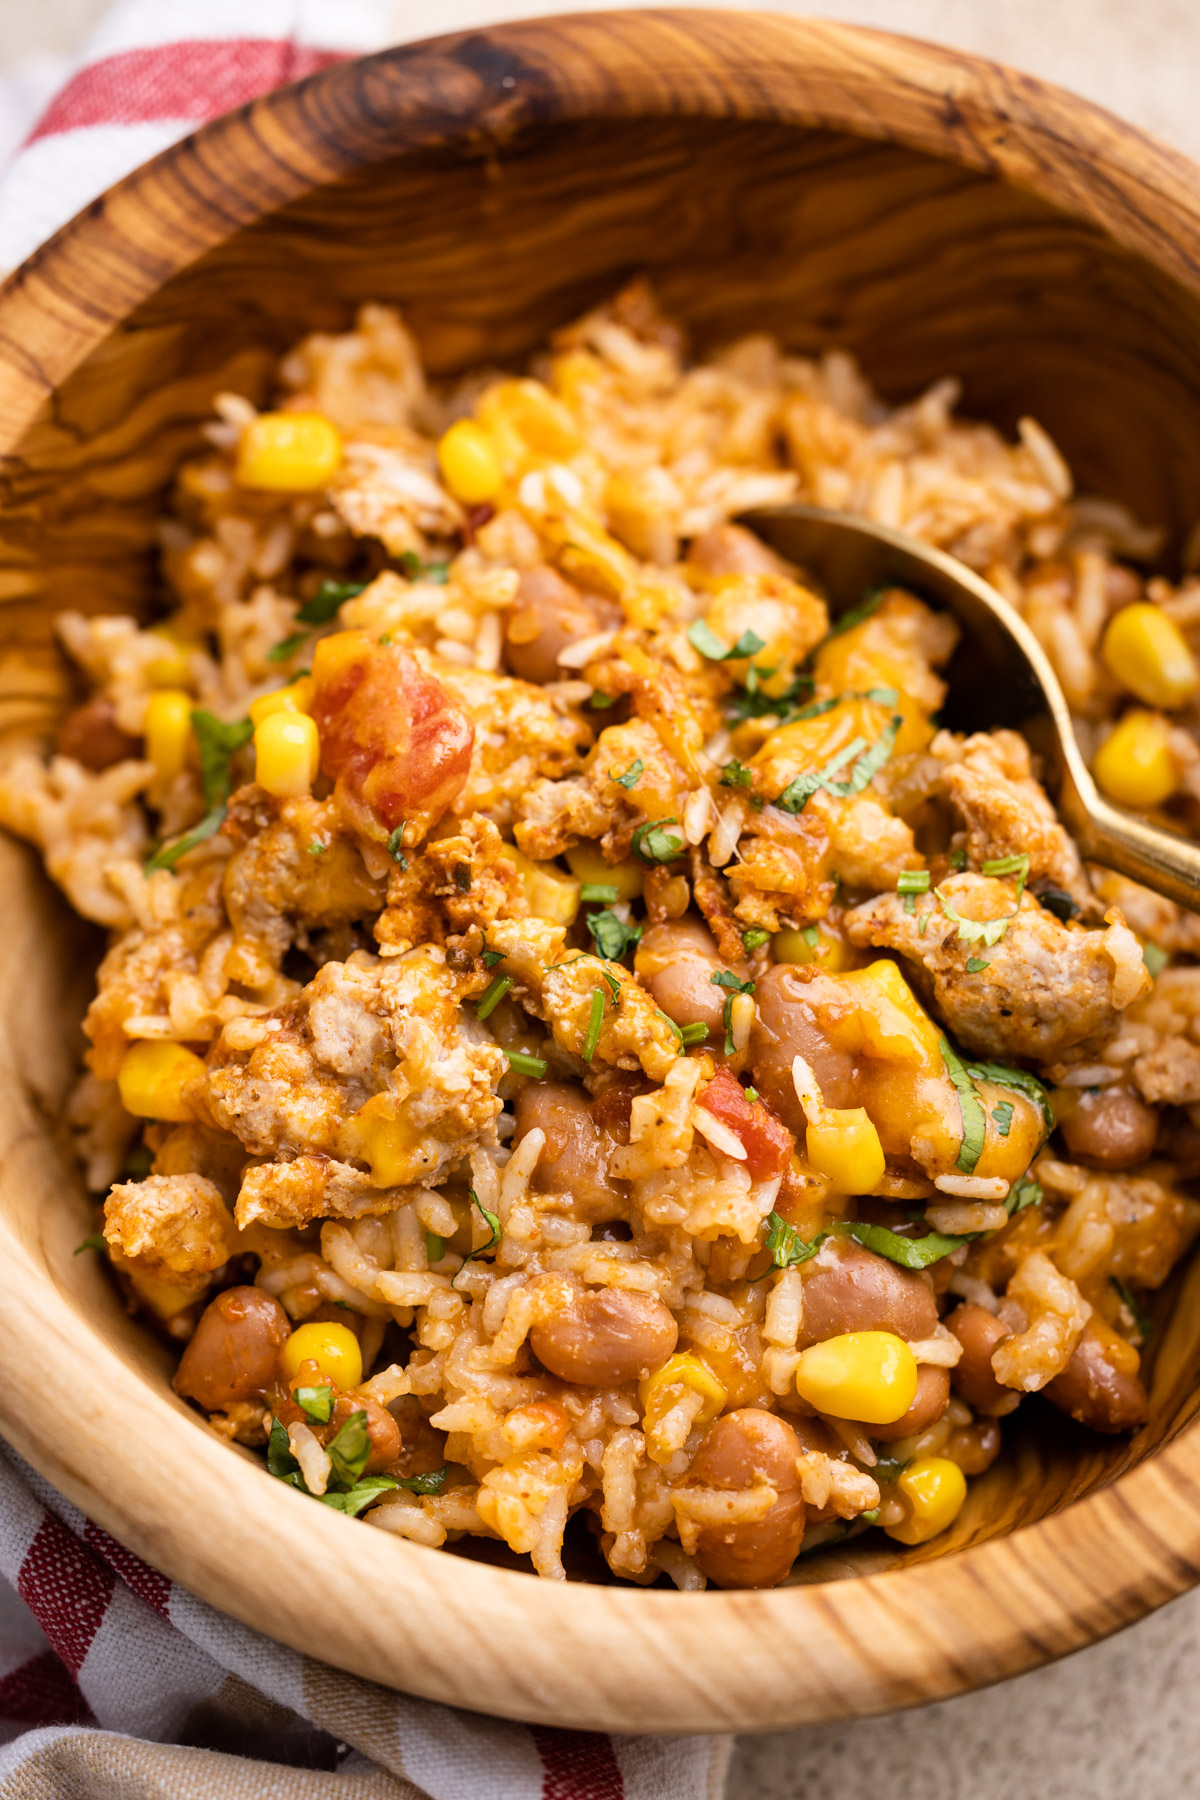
(1143,852)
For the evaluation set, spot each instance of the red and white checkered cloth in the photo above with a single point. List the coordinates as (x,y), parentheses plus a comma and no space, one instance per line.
(114,1682)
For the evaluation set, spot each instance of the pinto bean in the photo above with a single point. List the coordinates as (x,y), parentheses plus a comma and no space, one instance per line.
(91,735)
(847,1288)
(740,1447)
(732,550)
(576,1156)
(548,615)
(231,1354)
(978,1331)
(606,1337)
(1112,1128)
(932,1399)
(1099,1387)
(677,961)
(784,1028)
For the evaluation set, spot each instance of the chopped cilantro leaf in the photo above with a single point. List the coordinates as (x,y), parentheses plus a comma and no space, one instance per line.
(601,892)
(702,638)
(94,1242)
(353,1500)
(957,858)
(286,647)
(432,1483)
(976,965)
(736,775)
(395,845)
(654,843)
(1002,1117)
(632,775)
(752,939)
(1021,1082)
(349,1449)
(600,701)
(328,600)
(1023,1193)
(612,937)
(909,1253)
(974,1126)
(857,614)
(1155,959)
(490,958)
(316,1403)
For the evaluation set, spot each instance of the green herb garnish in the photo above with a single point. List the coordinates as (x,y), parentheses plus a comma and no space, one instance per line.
(218,743)
(493,995)
(785,1244)
(600,892)
(1142,1321)
(94,1242)
(654,843)
(1155,959)
(1023,1193)
(756,936)
(1002,1117)
(435,1247)
(328,600)
(976,965)
(631,777)
(910,1253)
(316,1403)
(520,1064)
(490,958)
(1021,1082)
(736,775)
(857,614)
(702,638)
(595,1020)
(871,759)
(974,1126)
(286,647)
(433,1483)
(695,1033)
(612,937)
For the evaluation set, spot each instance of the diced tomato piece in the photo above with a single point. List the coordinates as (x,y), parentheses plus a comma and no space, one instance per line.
(768,1142)
(391,736)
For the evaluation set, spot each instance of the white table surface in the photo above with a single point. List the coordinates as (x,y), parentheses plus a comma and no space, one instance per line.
(1122,1719)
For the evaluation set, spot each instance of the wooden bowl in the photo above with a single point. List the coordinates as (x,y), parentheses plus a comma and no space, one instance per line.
(932,213)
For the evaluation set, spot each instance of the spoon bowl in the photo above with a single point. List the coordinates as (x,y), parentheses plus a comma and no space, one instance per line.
(1000,676)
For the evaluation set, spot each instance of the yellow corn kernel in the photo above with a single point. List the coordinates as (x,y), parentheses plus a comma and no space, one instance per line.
(158,1297)
(288,452)
(172,667)
(527,412)
(869,1376)
(376,1136)
(167,729)
(793,945)
(588,865)
(333,654)
(1146,652)
(932,1490)
(334,1349)
(844,1147)
(469,464)
(153,1076)
(549,894)
(665,1388)
(1134,764)
(295,697)
(287,751)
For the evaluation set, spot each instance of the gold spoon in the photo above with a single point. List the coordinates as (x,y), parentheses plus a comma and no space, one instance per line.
(999,676)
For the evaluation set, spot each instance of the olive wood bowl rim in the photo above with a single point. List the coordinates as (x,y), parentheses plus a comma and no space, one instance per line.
(472,1635)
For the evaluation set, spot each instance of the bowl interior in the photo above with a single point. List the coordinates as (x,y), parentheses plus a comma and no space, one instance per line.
(917,265)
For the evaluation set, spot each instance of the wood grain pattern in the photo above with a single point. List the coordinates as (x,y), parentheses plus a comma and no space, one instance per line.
(929,211)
